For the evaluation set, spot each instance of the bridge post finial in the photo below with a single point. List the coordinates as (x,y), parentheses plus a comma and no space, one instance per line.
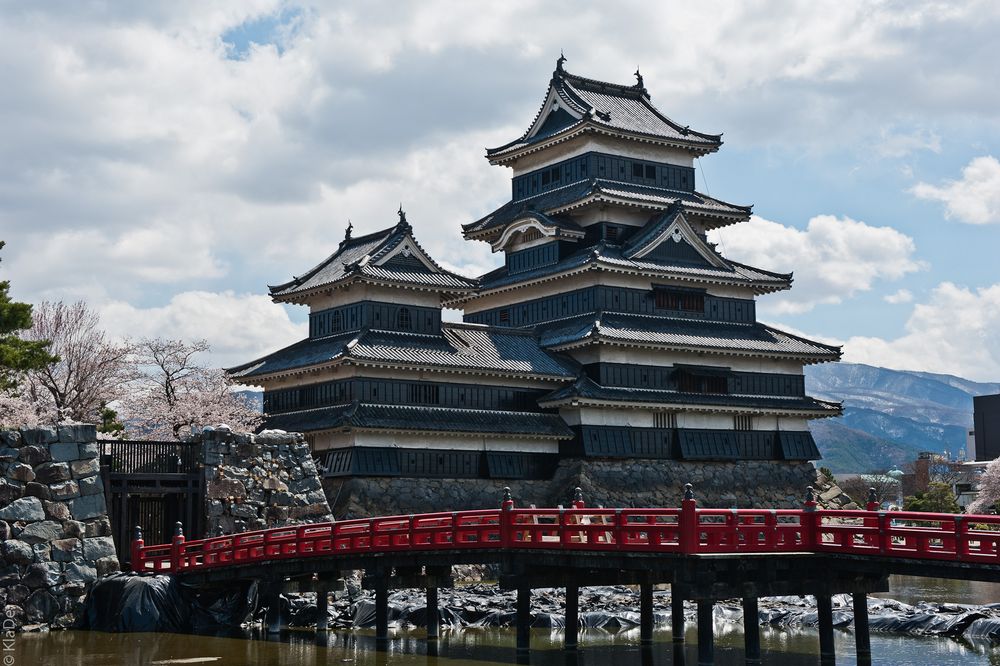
(507,501)
(177,547)
(578,502)
(688,491)
(688,520)
(136,551)
(873,502)
(810,502)
(178,529)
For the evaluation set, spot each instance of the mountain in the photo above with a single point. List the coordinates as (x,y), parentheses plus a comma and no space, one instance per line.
(890,416)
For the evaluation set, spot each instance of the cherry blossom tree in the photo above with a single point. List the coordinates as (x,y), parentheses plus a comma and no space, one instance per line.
(989,490)
(175,395)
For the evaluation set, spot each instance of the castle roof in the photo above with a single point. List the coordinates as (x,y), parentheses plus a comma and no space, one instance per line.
(402,418)
(574,105)
(461,348)
(390,256)
(683,334)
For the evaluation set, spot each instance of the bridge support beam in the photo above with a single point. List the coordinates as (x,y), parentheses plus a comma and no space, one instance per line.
(706,633)
(381,585)
(676,615)
(523,620)
(433,614)
(322,606)
(824,611)
(646,613)
(862,635)
(276,617)
(572,617)
(751,630)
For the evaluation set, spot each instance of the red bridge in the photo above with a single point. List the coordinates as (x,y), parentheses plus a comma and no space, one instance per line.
(705,554)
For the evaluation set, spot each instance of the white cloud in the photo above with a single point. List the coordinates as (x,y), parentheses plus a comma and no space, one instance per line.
(239,327)
(834,258)
(956,332)
(901,296)
(901,144)
(975,199)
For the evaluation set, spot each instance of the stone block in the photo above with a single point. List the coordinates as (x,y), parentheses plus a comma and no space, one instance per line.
(42,552)
(91,485)
(80,573)
(97,547)
(15,551)
(8,454)
(56,510)
(26,509)
(10,491)
(52,472)
(246,511)
(90,506)
(91,450)
(39,490)
(831,493)
(4,531)
(67,550)
(74,529)
(99,527)
(65,490)
(33,454)
(21,472)
(84,468)
(225,489)
(41,532)
(39,436)
(77,432)
(64,451)
(41,606)
(11,438)
(10,575)
(43,574)
(305,485)
(274,438)
(107,566)
(215,508)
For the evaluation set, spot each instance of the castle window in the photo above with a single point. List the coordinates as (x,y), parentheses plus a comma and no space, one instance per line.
(505,316)
(403,319)
(650,172)
(423,394)
(611,233)
(337,321)
(680,300)
(636,170)
(742,422)
(665,420)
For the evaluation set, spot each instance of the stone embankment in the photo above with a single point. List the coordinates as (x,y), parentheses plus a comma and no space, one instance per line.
(55,536)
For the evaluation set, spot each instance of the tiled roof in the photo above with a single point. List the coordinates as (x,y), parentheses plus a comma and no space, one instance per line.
(422,419)
(460,347)
(724,337)
(609,106)
(585,388)
(358,256)
(610,257)
(577,194)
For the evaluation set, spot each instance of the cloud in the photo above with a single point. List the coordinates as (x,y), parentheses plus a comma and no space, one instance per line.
(901,296)
(957,331)
(834,258)
(239,327)
(901,144)
(975,199)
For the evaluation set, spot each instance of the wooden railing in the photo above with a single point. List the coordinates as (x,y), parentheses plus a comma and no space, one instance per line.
(141,457)
(687,530)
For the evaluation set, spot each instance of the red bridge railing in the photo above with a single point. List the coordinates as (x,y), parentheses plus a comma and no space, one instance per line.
(687,530)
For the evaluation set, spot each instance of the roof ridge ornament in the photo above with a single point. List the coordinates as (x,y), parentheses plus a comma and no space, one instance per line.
(638,80)
(347,231)
(402,217)
(559,62)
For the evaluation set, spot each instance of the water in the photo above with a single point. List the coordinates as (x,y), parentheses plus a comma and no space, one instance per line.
(478,647)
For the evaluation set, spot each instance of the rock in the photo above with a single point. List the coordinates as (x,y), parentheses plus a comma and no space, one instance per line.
(91,485)
(56,510)
(4,531)
(65,490)
(88,451)
(52,472)
(39,490)
(243,511)
(42,531)
(90,506)
(43,574)
(67,550)
(226,488)
(95,548)
(64,452)
(15,551)
(21,472)
(107,566)
(41,606)
(40,435)
(10,491)
(831,493)
(98,528)
(11,438)
(26,509)
(77,432)
(8,454)
(82,468)
(80,573)
(34,455)
(73,529)
(17,593)
(15,614)
(42,552)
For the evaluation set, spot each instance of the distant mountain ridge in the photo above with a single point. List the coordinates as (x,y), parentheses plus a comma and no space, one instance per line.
(890,415)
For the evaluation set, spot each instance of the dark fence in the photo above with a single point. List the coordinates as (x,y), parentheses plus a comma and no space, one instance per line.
(140,457)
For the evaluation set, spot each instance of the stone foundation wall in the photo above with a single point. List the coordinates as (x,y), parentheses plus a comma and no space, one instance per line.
(612,483)
(55,536)
(258,481)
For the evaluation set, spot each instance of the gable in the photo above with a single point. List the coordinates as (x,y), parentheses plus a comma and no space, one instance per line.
(407,256)
(671,238)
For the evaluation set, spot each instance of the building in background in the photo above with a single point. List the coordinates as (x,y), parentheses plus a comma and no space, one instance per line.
(986,423)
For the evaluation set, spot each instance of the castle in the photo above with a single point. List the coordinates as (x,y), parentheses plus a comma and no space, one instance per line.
(616,348)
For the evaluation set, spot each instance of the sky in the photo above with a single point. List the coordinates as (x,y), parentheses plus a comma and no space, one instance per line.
(166,161)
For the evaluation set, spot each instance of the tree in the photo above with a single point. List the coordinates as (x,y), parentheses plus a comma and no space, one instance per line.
(91,369)
(18,355)
(175,395)
(989,490)
(857,487)
(109,425)
(938,498)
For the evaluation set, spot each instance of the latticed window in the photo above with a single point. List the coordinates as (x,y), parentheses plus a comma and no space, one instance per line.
(742,422)
(337,321)
(665,420)
(505,316)
(403,322)
(686,301)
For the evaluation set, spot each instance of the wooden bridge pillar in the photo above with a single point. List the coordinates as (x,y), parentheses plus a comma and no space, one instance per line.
(751,630)
(676,615)
(706,630)
(862,635)
(276,616)
(646,613)
(381,585)
(322,605)
(824,611)
(523,619)
(572,617)
(433,614)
